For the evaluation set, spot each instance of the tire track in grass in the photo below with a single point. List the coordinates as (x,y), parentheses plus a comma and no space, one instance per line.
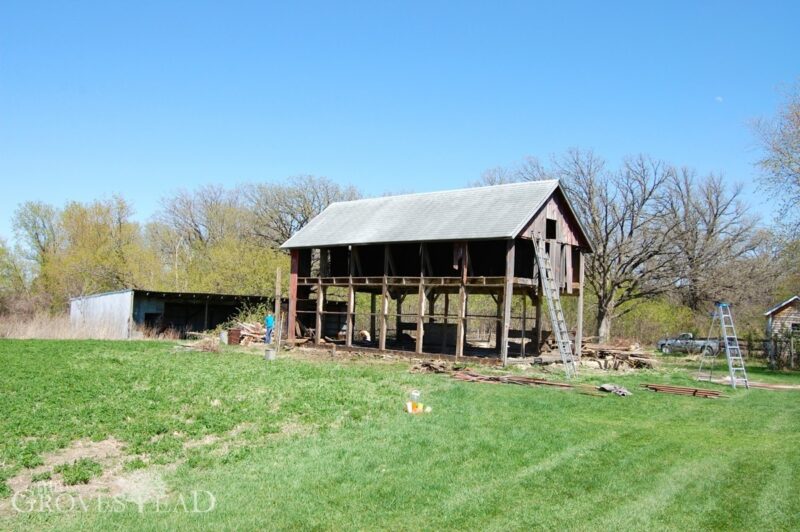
(704,475)
(773,503)
(638,513)
(468,496)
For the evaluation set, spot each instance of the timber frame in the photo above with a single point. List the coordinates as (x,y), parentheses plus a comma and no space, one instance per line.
(429,285)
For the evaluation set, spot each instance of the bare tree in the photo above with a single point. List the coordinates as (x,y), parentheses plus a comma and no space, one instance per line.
(528,170)
(713,231)
(279,211)
(623,212)
(780,139)
(204,216)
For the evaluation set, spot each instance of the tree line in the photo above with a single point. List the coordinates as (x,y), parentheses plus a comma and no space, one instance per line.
(211,239)
(666,238)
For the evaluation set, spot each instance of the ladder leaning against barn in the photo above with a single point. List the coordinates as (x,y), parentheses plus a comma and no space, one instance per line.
(551,294)
(733,353)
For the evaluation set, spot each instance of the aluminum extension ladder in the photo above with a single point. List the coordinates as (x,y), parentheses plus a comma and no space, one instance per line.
(557,320)
(736,369)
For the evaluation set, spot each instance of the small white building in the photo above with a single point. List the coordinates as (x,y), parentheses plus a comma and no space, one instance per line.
(784,317)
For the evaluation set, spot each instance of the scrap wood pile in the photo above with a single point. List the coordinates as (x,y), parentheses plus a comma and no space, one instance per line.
(614,357)
(251,333)
(683,390)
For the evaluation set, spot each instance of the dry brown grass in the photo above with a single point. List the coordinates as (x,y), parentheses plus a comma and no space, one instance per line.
(58,327)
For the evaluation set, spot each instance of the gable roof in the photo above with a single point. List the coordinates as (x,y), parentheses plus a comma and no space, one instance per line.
(780,306)
(494,212)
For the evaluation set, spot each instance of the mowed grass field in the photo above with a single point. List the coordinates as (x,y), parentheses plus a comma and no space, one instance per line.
(324,443)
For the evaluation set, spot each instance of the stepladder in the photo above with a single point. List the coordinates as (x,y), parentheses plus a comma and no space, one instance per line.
(550,291)
(729,342)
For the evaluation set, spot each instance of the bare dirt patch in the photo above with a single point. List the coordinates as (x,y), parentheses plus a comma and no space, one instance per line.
(140,487)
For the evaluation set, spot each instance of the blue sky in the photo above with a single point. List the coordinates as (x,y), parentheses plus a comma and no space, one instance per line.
(143,98)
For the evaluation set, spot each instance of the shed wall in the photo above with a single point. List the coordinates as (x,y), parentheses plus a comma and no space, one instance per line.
(103,316)
(786,317)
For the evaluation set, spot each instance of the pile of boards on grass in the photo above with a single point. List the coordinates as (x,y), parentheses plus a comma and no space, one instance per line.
(683,390)
(614,357)
(248,333)
(463,373)
(471,376)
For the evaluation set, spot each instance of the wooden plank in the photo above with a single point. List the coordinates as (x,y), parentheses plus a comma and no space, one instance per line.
(568,260)
(507,297)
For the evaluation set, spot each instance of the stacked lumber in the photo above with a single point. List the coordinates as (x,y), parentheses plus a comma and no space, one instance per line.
(251,333)
(470,376)
(683,390)
(615,357)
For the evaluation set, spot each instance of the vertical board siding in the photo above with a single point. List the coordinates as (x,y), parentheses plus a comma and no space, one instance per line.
(103,316)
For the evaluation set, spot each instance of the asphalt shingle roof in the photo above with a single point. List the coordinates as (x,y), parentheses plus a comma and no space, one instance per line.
(499,211)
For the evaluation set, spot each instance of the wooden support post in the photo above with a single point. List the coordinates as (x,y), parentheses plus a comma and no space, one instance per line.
(320,308)
(462,305)
(384,300)
(373,309)
(579,317)
(398,316)
(351,309)
(460,324)
(205,317)
(507,296)
(444,326)
(351,299)
(524,324)
(539,291)
(292,322)
(498,324)
(421,316)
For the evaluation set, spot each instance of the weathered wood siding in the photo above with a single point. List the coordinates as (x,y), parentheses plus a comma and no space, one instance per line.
(567,237)
(786,317)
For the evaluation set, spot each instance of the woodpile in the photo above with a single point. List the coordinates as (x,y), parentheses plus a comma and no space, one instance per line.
(682,390)
(612,357)
(247,333)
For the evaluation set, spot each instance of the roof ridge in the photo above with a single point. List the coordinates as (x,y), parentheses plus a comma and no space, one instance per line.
(447,191)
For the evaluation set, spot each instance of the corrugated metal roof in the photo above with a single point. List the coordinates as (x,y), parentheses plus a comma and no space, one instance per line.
(499,211)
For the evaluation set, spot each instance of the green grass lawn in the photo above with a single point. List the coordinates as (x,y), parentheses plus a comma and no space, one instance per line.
(302,443)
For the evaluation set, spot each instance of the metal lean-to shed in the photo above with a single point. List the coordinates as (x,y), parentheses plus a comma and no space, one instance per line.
(435,247)
(129,313)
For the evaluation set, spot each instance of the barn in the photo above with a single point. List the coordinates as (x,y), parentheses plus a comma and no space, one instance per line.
(417,272)
(131,313)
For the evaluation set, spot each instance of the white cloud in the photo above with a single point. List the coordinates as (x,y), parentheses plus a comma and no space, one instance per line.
(719,99)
